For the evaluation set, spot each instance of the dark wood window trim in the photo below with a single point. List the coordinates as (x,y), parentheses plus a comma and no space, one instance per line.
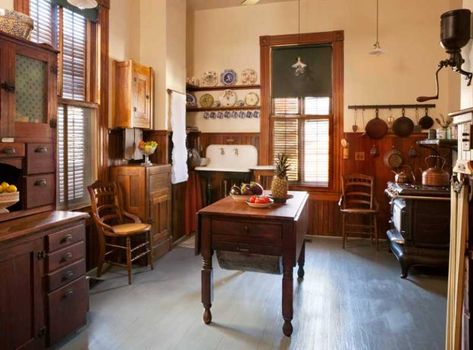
(335,39)
(97,76)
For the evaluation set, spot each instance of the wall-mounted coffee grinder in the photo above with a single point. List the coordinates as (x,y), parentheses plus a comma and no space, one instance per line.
(455,33)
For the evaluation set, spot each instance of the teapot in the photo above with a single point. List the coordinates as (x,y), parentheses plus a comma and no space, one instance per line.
(435,175)
(404,174)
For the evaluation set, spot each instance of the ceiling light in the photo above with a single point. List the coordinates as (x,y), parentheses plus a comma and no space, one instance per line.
(250,2)
(377,50)
(83,4)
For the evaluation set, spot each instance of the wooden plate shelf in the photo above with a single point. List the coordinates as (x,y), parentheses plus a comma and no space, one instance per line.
(216,88)
(234,108)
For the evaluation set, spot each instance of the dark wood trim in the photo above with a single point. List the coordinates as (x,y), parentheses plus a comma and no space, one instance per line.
(22,6)
(334,38)
(190,88)
(104,3)
(76,103)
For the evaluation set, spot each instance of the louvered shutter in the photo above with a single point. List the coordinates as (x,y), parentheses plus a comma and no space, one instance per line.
(73,55)
(41,11)
(286,141)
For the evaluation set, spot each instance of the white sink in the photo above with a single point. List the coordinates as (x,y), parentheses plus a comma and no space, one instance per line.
(230,158)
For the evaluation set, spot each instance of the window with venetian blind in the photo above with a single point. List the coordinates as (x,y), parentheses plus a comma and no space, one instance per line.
(66,29)
(301,118)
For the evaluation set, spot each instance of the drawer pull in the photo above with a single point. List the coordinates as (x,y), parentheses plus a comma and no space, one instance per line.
(41,183)
(41,150)
(68,275)
(66,238)
(9,150)
(67,256)
(135,109)
(68,293)
(230,140)
(246,228)
(243,250)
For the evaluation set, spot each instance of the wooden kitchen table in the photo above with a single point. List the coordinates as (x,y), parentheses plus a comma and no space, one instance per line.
(278,231)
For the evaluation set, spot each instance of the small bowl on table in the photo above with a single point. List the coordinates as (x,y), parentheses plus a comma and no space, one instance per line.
(260,205)
(7,199)
(240,197)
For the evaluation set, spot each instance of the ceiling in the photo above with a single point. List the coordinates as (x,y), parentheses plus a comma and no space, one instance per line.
(194,5)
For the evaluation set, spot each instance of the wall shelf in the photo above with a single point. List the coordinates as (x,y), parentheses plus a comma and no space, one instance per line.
(190,88)
(234,108)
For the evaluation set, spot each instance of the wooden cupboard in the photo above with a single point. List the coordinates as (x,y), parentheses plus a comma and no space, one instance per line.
(146,192)
(44,293)
(132,95)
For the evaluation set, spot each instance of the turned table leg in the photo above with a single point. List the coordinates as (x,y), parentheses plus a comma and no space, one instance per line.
(300,262)
(287,291)
(207,288)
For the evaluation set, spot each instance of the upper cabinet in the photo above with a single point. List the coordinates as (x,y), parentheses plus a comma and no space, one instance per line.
(28,91)
(132,95)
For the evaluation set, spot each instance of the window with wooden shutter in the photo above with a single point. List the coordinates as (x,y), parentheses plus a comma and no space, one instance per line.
(76,121)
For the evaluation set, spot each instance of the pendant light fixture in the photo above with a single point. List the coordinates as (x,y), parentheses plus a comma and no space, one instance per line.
(249,2)
(83,4)
(299,66)
(377,50)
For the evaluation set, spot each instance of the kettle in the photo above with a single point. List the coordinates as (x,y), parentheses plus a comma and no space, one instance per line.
(404,175)
(435,175)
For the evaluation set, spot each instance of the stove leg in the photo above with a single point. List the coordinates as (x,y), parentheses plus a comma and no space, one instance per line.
(404,270)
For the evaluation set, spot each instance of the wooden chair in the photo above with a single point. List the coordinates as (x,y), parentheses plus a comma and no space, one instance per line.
(115,227)
(358,200)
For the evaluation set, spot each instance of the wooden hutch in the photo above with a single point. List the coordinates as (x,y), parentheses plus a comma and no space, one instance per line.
(44,293)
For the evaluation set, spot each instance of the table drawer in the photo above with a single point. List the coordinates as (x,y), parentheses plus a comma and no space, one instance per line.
(242,247)
(12,150)
(39,158)
(67,309)
(65,256)
(66,275)
(65,237)
(40,190)
(251,230)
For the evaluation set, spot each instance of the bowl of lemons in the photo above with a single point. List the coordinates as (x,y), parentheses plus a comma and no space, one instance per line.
(9,195)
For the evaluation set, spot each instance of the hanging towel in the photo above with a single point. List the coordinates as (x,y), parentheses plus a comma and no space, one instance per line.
(177,114)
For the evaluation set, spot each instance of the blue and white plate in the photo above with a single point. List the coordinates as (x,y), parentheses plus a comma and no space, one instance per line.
(228,77)
(256,114)
(191,101)
(242,115)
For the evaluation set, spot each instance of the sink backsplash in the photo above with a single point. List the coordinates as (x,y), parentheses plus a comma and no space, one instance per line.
(231,156)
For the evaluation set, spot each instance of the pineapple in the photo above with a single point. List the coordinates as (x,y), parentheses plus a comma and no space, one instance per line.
(279,185)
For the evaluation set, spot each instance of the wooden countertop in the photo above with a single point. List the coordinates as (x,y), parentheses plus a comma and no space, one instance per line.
(17,228)
(289,211)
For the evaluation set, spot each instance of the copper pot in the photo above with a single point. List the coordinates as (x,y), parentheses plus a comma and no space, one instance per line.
(435,175)
(404,175)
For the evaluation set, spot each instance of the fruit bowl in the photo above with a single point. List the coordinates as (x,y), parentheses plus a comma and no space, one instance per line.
(240,197)
(260,205)
(7,200)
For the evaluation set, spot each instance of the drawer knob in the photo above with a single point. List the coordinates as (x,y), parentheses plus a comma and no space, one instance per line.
(68,275)
(67,238)
(67,256)
(41,150)
(9,150)
(246,228)
(41,183)
(244,250)
(68,293)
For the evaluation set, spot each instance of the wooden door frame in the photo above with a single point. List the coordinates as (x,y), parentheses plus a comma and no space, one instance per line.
(335,40)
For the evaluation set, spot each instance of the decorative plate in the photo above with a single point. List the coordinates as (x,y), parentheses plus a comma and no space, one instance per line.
(206,100)
(261,205)
(191,101)
(228,98)
(240,103)
(252,99)
(227,114)
(256,114)
(210,78)
(228,77)
(249,77)
(212,115)
(206,115)
(242,115)
(219,115)
(249,114)
(235,114)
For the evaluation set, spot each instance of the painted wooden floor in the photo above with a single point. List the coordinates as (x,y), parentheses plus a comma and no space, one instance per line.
(351,299)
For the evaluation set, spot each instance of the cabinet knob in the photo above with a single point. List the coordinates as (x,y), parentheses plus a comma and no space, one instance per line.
(68,293)
(7,87)
(147,97)
(67,238)
(67,256)
(41,150)
(9,150)
(134,109)
(246,228)
(41,183)
(68,275)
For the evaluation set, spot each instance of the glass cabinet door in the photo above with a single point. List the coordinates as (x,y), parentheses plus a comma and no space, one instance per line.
(31,87)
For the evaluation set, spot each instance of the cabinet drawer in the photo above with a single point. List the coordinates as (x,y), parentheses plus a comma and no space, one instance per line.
(66,237)
(66,275)
(65,256)
(12,150)
(67,309)
(40,190)
(39,158)
(248,230)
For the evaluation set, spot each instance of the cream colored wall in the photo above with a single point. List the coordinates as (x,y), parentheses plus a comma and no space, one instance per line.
(467,52)
(409,32)
(6,4)
(124,30)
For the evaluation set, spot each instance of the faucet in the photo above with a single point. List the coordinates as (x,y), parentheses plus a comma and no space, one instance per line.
(236,151)
(222,151)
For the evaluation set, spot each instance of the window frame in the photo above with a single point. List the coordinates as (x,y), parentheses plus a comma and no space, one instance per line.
(335,39)
(96,83)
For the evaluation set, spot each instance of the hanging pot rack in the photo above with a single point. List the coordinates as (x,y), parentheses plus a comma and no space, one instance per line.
(398,106)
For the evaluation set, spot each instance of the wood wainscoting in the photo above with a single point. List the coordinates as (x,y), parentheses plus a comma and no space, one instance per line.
(228,138)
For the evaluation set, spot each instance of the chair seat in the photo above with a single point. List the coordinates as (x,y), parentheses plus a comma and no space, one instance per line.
(130,229)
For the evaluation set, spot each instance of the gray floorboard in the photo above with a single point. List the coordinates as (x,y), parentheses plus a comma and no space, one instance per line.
(352,299)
